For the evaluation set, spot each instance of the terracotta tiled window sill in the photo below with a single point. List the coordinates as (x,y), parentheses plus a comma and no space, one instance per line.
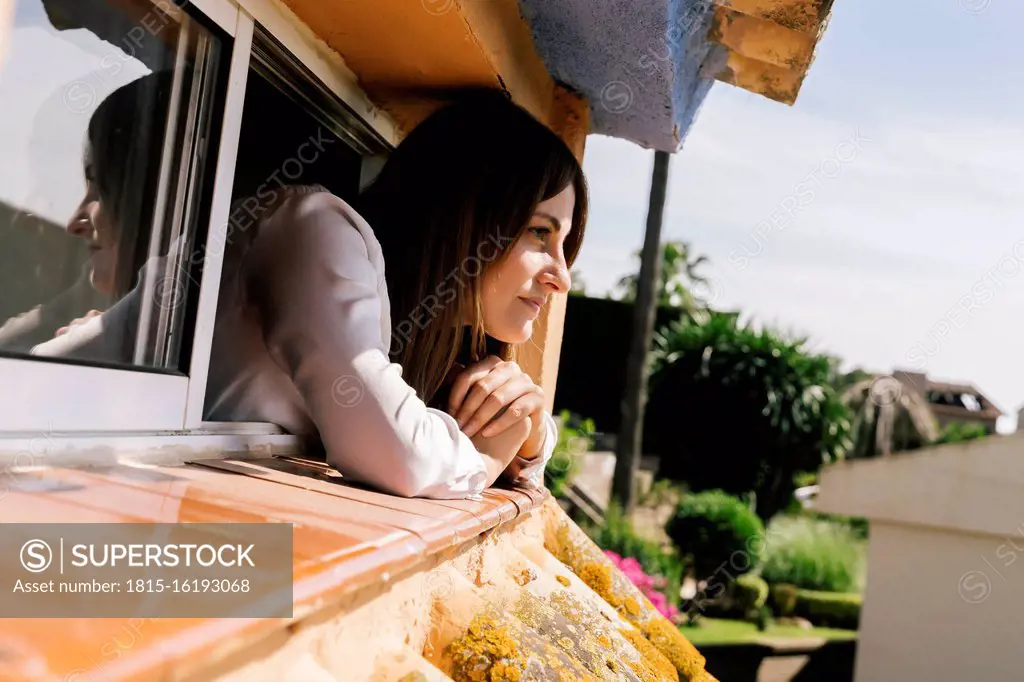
(346,538)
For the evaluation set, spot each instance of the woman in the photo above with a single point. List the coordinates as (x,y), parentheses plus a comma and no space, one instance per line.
(477,217)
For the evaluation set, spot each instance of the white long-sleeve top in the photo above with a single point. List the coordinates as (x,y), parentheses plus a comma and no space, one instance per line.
(301,340)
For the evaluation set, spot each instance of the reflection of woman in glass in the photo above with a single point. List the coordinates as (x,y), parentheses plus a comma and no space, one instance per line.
(93,222)
(125,139)
(123,145)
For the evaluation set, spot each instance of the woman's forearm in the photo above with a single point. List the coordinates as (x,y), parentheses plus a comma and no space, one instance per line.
(499,451)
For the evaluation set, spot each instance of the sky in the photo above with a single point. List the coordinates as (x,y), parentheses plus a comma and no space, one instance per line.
(881,216)
(50,84)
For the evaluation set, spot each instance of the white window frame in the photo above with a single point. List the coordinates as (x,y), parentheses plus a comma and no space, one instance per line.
(110,404)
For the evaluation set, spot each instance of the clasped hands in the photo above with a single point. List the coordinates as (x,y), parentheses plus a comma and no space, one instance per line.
(501,409)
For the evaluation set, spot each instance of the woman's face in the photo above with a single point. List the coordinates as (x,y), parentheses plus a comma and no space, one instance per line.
(517,287)
(92,222)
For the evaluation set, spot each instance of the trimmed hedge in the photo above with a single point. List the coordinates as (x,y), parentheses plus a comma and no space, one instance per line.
(717,532)
(784,597)
(743,599)
(829,609)
(750,592)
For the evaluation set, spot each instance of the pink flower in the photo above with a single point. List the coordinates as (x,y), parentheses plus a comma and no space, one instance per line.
(649,586)
(641,580)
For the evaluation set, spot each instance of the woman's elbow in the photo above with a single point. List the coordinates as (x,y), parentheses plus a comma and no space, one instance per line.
(411,485)
(405,476)
(407,484)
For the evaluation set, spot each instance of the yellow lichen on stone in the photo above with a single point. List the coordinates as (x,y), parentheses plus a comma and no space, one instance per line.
(526,576)
(598,577)
(601,637)
(562,580)
(683,655)
(577,551)
(570,607)
(499,648)
(545,620)
(415,676)
(652,657)
(486,653)
(503,672)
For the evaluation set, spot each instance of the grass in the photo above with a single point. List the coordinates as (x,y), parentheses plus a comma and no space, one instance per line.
(722,631)
(814,554)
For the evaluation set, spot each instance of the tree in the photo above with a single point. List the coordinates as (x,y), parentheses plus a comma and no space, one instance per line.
(845,381)
(888,418)
(630,438)
(679,274)
(742,410)
(579,286)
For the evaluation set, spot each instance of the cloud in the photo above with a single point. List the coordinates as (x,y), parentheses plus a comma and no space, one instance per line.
(888,245)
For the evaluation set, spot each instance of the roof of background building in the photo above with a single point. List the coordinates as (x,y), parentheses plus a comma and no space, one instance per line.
(955,392)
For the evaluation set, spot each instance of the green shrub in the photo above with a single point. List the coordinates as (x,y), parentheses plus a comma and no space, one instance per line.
(856,524)
(803,479)
(716,531)
(742,598)
(764,618)
(814,554)
(784,599)
(958,432)
(829,609)
(575,437)
(750,593)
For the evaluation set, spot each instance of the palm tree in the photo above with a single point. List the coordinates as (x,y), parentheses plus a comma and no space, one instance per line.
(888,417)
(629,441)
(679,274)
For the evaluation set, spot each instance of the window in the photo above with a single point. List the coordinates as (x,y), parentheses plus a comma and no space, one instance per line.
(109,139)
(119,157)
(105,134)
(285,95)
(316,140)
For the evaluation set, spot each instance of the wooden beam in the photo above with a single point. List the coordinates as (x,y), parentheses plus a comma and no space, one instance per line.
(410,55)
(762,39)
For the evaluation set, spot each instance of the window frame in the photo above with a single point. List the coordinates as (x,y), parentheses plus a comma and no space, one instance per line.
(50,397)
(276,46)
(46,394)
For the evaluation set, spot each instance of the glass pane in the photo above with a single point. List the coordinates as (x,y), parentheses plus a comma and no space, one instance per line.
(106,107)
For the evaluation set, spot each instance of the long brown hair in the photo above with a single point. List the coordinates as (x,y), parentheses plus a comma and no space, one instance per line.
(126,137)
(457,192)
